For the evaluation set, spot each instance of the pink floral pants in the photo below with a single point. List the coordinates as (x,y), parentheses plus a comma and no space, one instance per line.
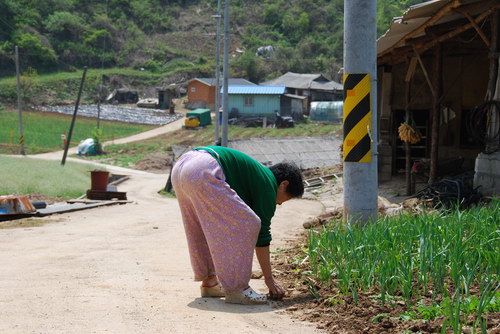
(221,229)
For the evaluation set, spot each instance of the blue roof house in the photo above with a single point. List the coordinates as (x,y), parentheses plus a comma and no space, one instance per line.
(254,100)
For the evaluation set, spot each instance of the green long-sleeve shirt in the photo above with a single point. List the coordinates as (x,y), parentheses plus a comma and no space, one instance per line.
(254,183)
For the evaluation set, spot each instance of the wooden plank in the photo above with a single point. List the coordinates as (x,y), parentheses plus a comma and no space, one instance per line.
(411,68)
(424,71)
(106,195)
(91,201)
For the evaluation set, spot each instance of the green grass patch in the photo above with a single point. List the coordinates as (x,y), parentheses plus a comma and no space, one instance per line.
(42,131)
(452,257)
(21,175)
(77,75)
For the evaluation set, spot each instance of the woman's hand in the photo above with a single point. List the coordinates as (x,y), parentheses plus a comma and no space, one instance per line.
(276,291)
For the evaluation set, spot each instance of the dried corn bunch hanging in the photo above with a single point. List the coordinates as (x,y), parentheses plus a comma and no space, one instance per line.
(408,134)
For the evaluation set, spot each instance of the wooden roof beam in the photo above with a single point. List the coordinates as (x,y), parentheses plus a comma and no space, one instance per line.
(460,30)
(395,59)
(435,18)
(474,24)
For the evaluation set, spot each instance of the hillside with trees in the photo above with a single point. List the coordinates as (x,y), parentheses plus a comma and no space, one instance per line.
(167,36)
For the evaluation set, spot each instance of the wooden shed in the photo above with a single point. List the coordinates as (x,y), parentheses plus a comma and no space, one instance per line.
(437,64)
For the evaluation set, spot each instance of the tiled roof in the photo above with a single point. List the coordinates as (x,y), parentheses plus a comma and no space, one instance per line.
(305,81)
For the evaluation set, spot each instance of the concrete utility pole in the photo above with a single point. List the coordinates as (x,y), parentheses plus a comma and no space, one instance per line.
(217,75)
(225,102)
(19,104)
(360,111)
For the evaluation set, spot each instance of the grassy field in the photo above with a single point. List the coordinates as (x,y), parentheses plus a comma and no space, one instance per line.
(42,131)
(62,87)
(61,76)
(43,177)
(442,265)
(126,155)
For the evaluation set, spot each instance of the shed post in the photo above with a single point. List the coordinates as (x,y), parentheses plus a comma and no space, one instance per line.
(407,145)
(360,98)
(436,110)
(493,92)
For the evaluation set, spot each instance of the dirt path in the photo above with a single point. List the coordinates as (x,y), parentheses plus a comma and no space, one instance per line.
(175,125)
(125,269)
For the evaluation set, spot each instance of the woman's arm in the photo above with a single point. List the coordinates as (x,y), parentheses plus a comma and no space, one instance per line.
(275,289)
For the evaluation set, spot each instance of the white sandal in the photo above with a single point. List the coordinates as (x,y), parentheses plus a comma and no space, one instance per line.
(212,291)
(246,297)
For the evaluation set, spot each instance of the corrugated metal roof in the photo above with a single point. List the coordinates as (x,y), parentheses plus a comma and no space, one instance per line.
(231,81)
(415,17)
(305,81)
(255,90)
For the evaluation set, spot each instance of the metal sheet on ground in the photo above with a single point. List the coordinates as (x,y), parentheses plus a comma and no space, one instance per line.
(68,207)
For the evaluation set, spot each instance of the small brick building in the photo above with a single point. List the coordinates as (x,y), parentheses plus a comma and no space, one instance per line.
(201,91)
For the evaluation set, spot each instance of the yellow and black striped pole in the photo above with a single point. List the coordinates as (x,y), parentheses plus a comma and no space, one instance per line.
(360,105)
(357,118)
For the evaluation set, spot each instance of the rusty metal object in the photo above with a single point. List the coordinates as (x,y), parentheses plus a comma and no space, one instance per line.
(15,205)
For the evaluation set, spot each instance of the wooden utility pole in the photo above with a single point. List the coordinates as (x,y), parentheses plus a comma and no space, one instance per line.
(68,141)
(19,104)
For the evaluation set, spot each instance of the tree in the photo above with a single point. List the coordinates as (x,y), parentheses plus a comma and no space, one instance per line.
(34,51)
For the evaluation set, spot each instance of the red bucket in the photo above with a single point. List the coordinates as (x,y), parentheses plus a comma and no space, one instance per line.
(99,180)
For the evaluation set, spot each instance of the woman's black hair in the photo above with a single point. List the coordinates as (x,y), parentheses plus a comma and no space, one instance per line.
(288,171)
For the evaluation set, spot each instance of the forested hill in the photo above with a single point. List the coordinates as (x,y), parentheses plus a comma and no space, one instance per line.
(169,35)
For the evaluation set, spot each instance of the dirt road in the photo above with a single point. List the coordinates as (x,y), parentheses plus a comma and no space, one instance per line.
(125,269)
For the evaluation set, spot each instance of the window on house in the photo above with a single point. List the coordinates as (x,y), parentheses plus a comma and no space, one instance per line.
(193,89)
(249,100)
